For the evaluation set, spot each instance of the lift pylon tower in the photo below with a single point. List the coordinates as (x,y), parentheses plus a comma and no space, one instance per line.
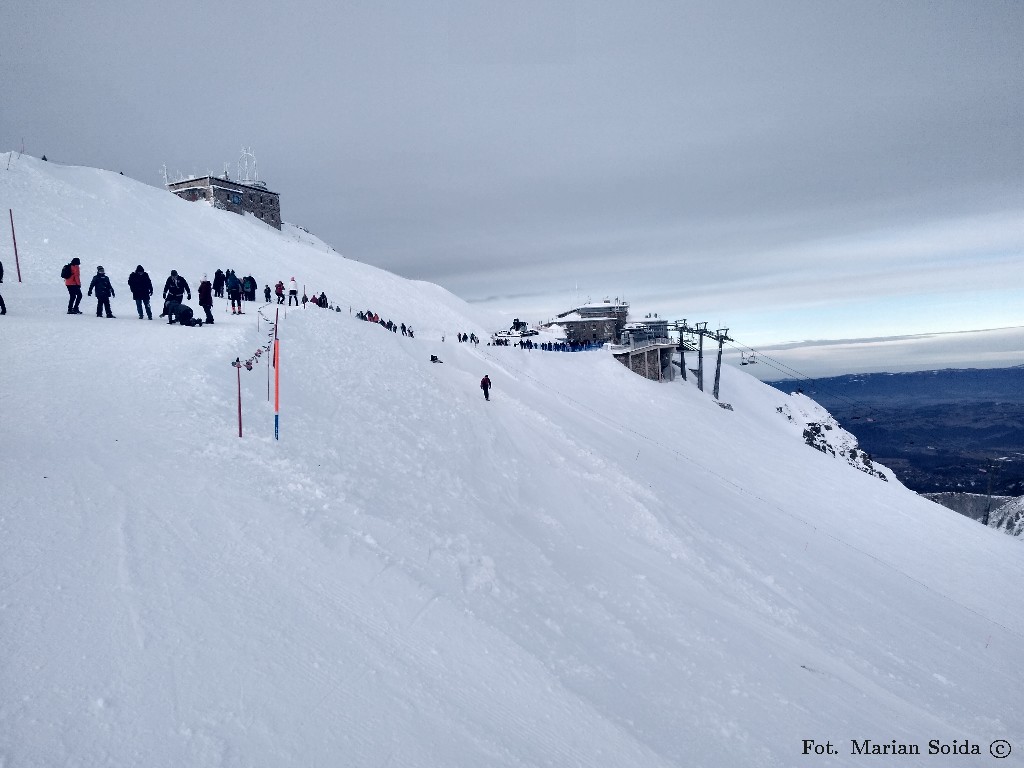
(721,336)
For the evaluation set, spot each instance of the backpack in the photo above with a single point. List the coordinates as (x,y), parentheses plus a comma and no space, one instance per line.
(65,272)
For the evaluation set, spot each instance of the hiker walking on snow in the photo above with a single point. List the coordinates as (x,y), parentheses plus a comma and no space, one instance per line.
(104,290)
(73,281)
(485,385)
(234,286)
(266,293)
(142,288)
(293,292)
(206,298)
(279,292)
(175,289)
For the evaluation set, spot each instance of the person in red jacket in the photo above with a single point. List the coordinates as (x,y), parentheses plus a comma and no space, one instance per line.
(74,285)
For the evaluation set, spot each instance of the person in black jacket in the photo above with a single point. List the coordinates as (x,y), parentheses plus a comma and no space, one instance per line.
(104,290)
(3,307)
(206,298)
(174,292)
(218,284)
(234,286)
(183,313)
(142,288)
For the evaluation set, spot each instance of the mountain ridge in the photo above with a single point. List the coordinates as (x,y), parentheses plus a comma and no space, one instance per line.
(590,569)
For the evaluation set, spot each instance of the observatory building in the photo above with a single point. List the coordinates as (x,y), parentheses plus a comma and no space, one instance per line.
(248,195)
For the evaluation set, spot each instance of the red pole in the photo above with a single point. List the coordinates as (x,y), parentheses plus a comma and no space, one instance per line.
(17,263)
(238,369)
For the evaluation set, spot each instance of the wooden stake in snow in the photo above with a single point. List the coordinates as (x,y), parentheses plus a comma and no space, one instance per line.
(17,263)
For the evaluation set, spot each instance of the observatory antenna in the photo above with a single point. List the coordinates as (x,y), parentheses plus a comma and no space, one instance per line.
(247,173)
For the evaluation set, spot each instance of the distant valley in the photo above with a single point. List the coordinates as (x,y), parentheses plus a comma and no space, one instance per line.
(954,430)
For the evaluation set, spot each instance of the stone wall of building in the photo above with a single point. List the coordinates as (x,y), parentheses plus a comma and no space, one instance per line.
(646,363)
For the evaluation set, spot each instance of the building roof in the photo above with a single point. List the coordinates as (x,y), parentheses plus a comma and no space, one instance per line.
(215,181)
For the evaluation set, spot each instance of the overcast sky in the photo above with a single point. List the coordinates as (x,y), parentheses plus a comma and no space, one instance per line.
(791,170)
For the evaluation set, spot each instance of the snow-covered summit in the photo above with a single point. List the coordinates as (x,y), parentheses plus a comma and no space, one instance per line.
(591,569)
(1009,517)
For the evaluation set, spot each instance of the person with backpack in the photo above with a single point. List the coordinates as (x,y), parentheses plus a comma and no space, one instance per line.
(234,286)
(175,289)
(142,288)
(206,298)
(73,281)
(266,293)
(485,385)
(249,288)
(104,290)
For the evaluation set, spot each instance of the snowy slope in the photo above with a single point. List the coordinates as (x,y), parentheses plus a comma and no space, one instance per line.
(590,570)
(1009,517)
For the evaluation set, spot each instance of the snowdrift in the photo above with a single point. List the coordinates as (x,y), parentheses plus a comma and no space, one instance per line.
(592,569)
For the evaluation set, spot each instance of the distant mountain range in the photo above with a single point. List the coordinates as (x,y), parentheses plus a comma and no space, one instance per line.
(953,430)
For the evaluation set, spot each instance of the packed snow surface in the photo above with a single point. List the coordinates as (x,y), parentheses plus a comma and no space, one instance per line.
(591,569)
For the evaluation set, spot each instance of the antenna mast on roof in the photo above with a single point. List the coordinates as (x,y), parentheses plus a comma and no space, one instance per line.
(247,173)
(163,169)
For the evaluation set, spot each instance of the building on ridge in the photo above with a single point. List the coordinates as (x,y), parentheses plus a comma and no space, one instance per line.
(233,196)
(595,322)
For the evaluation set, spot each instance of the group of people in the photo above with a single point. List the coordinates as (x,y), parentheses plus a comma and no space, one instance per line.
(293,292)
(222,281)
(320,301)
(175,290)
(372,317)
